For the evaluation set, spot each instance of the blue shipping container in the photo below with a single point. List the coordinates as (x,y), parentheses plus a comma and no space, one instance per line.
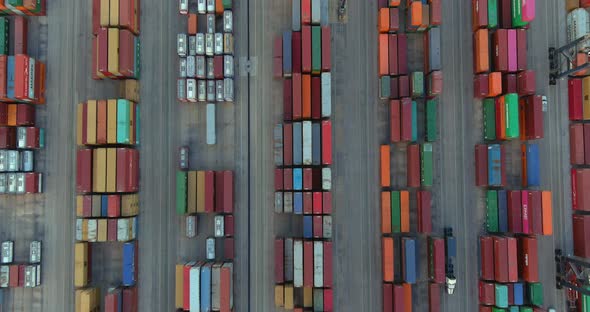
(409,260)
(297,202)
(518,294)
(10,77)
(206,288)
(502,212)
(414,121)
(297,144)
(129,264)
(287,62)
(494,165)
(104,205)
(298,179)
(434,59)
(307,226)
(532,165)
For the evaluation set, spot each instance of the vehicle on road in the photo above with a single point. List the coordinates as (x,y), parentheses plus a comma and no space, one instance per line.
(219,226)
(210,248)
(181,45)
(450,254)
(191,226)
(342,10)
(183,6)
(7,251)
(544,101)
(183,161)
(35,252)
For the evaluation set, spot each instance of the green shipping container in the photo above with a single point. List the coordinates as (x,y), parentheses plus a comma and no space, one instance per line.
(123,121)
(492,13)
(513,309)
(227,4)
(526,309)
(137,55)
(516,10)
(489,119)
(492,211)
(414,121)
(137,127)
(586,302)
(512,128)
(535,294)
(501,296)
(181,192)
(426,168)
(316,49)
(431,128)
(496,309)
(417,81)
(41,138)
(385,88)
(396,223)
(3,36)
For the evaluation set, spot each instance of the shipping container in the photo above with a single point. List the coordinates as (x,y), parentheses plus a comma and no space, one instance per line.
(385,165)
(409,260)
(481,51)
(436,260)
(426,164)
(487,258)
(413,169)
(528,259)
(388,258)
(492,224)
(479,14)
(581,235)
(424,199)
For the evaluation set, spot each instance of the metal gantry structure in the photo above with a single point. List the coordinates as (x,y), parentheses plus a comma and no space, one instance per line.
(562,60)
(573,274)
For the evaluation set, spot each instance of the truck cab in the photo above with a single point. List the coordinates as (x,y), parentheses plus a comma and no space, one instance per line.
(450,255)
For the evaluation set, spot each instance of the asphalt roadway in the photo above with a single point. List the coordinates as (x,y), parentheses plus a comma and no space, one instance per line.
(245,145)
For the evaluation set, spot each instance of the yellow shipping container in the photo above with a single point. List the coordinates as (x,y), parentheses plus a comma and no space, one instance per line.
(104,13)
(112,121)
(80,264)
(79,205)
(279,299)
(79,124)
(586,93)
(113,47)
(114,13)
(200,191)
(289,297)
(130,90)
(85,229)
(179,290)
(102,230)
(99,170)
(129,205)
(96,205)
(111,170)
(91,122)
(307,297)
(88,300)
(192,192)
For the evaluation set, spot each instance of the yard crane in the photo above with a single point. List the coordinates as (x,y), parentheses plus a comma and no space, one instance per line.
(573,274)
(568,52)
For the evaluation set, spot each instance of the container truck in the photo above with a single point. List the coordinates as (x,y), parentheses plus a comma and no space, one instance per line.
(450,255)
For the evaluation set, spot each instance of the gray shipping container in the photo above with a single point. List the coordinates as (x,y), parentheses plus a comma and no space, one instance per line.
(327,227)
(316,12)
(192,45)
(434,59)
(326,179)
(278,144)
(326,94)
(182,67)
(200,65)
(307,158)
(215,286)
(210,68)
(181,89)
(297,144)
(211,90)
(324,13)
(318,299)
(202,90)
(316,148)
(2,183)
(296,20)
(211,139)
(278,202)
(228,66)
(288,202)
(287,53)
(191,66)
(288,260)
(228,85)
(27,161)
(385,87)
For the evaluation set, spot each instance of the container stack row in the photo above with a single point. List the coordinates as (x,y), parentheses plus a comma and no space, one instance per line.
(115,41)
(303,159)
(14,273)
(204,286)
(527,212)
(412,97)
(23,7)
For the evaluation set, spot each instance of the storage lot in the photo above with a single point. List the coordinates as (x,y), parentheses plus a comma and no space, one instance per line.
(244,132)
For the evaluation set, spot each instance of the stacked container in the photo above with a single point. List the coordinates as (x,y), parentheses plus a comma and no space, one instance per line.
(23,7)
(204,286)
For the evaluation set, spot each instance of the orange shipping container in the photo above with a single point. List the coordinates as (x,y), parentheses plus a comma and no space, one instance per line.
(11,115)
(192,24)
(383,21)
(581,59)
(404,198)
(547,213)
(386,212)
(407,297)
(494,84)
(385,166)
(306,95)
(91,122)
(394,3)
(218,7)
(387,246)
(383,55)
(112,121)
(481,55)
(416,17)
(101,123)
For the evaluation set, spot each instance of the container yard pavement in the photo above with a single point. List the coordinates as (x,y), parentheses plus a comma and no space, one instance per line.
(360,125)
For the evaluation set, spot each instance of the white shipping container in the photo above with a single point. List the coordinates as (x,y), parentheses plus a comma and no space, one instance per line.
(211,23)
(215,290)
(297,263)
(326,94)
(200,60)
(278,144)
(31,78)
(288,259)
(92,230)
(296,14)
(21,137)
(79,229)
(318,264)
(316,12)
(27,158)
(578,25)
(307,158)
(11,183)
(228,66)
(218,44)
(211,137)
(3,160)
(326,179)
(201,7)
(210,6)
(191,90)
(288,202)
(4,276)
(211,90)
(20,183)
(228,25)
(182,67)
(219,90)
(228,84)
(200,43)
(13,160)
(123,230)
(209,44)
(195,288)
(219,226)
(202,90)
(2,183)
(327,226)
(38,267)
(190,66)
(30,276)
(192,45)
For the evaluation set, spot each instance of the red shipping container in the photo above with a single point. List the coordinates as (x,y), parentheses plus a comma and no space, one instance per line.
(25,115)
(83,171)
(21,275)
(228,225)
(127,53)
(393,65)
(225,286)
(573,181)
(584,3)
(435,12)
(20,35)
(399,300)
(413,161)
(39,82)
(21,77)
(481,165)
(509,83)
(581,234)
(424,200)
(308,264)
(297,110)
(288,144)
(327,262)
(481,86)
(404,85)
(112,301)
(534,117)
(487,294)
(32,182)
(585,144)
(228,248)
(127,14)
(7,137)
(514,211)
(581,186)
(306,49)
(93,62)
(102,55)
(436,260)
(130,299)
(316,97)
(305,12)
(307,179)
(33,137)
(535,212)
(317,203)
(387,297)
(434,296)
(326,203)
(95,16)
(393,20)
(328,300)
(113,205)
(227,205)
(326,49)
(574,95)
(394,121)
(192,22)
(288,179)
(524,197)
(287,100)
(277,67)
(406,119)
(525,83)
(521,50)
(86,206)
(279,260)
(501,259)
(528,259)
(402,54)
(486,244)
(307,203)
(277,50)
(578,146)
(218,66)
(510,294)
(317,227)
(479,13)
(3,86)
(3,114)
(326,142)
(512,259)
(296,52)
(112,230)
(500,41)
(278,179)
(394,84)
(435,84)
(13,276)
(209,191)
(504,12)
